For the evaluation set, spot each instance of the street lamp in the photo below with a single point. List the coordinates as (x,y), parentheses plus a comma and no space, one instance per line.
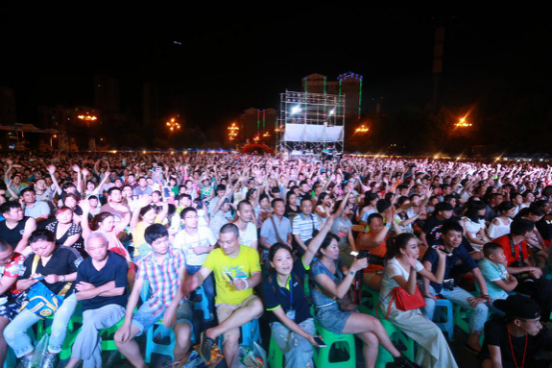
(462,123)
(362,129)
(172,125)
(233,131)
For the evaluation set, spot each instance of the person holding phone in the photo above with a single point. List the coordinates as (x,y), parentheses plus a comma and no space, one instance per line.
(291,321)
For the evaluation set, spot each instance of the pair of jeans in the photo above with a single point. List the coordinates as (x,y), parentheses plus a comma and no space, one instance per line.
(459,296)
(88,345)
(297,349)
(16,332)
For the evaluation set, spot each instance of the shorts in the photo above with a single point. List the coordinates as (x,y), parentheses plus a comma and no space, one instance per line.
(332,318)
(144,318)
(225,310)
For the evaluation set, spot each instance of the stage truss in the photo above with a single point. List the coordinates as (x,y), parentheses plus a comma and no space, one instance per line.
(311,122)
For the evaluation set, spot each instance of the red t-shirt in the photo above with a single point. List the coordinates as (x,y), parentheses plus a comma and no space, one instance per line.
(505,242)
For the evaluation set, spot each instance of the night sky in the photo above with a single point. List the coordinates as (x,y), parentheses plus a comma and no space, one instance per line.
(232,59)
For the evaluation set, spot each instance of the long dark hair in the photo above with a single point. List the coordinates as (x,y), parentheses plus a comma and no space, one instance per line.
(394,245)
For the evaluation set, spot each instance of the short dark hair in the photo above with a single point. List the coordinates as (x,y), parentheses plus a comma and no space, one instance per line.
(42,234)
(110,190)
(220,188)
(443,206)
(25,190)
(521,226)
(275,248)
(7,206)
(154,232)
(305,198)
(489,248)
(276,200)
(243,203)
(373,216)
(382,205)
(230,228)
(187,210)
(451,226)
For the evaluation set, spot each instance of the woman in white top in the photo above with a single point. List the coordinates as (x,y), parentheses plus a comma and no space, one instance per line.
(401,271)
(323,208)
(500,225)
(474,225)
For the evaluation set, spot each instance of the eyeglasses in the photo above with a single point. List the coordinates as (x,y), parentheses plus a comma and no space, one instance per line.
(191,217)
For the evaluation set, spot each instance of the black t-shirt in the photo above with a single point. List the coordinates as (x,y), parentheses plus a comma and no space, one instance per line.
(64,261)
(275,296)
(496,333)
(115,269)
(432,229)
(545,228)
(459,253)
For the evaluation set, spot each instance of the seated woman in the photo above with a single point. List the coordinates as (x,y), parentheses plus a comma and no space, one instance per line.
(66,231)
(500,225)
(283,294)
(332,283)
(474,225)
(401,271)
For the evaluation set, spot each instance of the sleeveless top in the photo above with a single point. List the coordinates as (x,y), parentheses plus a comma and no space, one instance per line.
(13,236)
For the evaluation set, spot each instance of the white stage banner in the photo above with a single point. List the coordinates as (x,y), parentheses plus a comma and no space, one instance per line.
(312,133)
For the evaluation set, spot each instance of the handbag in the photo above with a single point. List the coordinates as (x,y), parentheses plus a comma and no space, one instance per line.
(42,301)
(403,300)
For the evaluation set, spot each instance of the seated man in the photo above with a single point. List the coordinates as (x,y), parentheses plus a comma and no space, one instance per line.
(515,340)
(452,240)
(10,299)
(304,226)
(237,271)
(520,263)
(164,268)
(102,287)
(38,210)
(17,228)
(55,268)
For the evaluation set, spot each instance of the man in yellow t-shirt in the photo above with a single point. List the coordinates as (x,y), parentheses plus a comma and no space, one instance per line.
(237,271)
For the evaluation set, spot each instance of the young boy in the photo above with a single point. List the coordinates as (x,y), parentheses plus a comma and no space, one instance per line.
(164,269)
(498,280)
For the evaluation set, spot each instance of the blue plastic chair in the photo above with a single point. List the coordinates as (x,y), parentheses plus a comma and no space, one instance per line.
(444,317)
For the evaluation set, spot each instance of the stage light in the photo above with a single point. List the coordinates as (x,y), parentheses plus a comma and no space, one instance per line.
(332,112)
(295,110)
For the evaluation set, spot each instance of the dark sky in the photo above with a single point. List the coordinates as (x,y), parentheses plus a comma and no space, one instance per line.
(231,59)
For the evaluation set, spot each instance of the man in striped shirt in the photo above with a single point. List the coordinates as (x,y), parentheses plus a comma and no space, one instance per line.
(164,269)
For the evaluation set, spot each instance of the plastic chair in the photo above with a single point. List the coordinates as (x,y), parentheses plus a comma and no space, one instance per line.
(201,304)
(401,341)
(10,360)
(326,357)
(444,316)
(275,355)
(250,332)
(369,300)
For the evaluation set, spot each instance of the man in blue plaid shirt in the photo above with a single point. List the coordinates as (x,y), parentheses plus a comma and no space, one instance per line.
(164,269)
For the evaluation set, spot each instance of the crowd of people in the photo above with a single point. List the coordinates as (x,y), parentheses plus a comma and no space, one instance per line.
(137,237)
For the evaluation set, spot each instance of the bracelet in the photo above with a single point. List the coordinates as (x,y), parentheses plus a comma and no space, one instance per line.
(246,283)
(63,278)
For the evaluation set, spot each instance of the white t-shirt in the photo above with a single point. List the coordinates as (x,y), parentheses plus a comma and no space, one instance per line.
(249,235)
(393,269)
(186,242)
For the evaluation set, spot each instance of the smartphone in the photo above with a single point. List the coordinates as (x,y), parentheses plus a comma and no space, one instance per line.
(320,342)
(441,250)
(166,192)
